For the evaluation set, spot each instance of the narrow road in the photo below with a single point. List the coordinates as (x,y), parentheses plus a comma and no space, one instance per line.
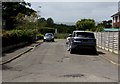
(51,62)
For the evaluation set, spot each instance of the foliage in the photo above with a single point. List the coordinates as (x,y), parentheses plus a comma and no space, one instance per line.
(63,28)
(44,30)
(85,24)
(17,36)
(99,27)
(41,22)
(10,10)
(103,24)
(40,36)
(50,22)
(107,24)
(61,35)
(27,25)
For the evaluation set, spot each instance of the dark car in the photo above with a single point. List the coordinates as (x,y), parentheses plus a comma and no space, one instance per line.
(48,37)
(82,40)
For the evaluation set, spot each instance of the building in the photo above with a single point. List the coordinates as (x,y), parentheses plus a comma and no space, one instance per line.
(116,18)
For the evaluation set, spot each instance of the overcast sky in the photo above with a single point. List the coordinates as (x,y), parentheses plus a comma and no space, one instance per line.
(74,11)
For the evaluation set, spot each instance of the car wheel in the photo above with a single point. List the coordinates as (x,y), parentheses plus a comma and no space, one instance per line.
(53,40)
(44,40)
(95,51)
(68,47)
(71,51)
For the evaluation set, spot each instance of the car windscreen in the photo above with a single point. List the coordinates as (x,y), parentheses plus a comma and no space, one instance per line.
(84,35)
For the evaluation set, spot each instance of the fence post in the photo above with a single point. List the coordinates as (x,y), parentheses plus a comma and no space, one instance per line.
(104,40)
(119,43)
(119,52)
(113,43)
(108,41)
(101,40)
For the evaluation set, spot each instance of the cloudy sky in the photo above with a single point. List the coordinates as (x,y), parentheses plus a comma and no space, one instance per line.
(74,11)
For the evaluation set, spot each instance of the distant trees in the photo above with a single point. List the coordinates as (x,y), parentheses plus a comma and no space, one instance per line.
(63,28)
(107,24)
(104,24)
(85,24)
(90,24)
(41,22)
(50,22)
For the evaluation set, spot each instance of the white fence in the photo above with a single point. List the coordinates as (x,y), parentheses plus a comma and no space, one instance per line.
(109,41)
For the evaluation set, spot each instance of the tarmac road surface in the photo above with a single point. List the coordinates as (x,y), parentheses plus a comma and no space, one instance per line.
(51,62)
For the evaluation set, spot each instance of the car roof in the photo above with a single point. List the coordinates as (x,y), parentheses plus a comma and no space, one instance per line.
(78,31)
(82,31)
(48,33)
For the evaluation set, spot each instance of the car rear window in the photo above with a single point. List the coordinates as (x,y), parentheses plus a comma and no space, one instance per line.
(48,34)
(84,35)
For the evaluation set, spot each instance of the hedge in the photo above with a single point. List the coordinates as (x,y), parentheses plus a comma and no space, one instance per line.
(17,36)
(61,35)
(46,30)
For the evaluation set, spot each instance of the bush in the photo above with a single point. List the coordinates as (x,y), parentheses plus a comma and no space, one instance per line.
(61,35)
(40,36)
(46,30)
(17,36)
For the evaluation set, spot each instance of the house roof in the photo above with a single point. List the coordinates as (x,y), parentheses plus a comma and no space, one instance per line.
(118,13)
(111,29)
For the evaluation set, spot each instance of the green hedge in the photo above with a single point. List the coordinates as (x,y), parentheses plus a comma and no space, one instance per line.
(17,36)
(46,30)
(40,36)
(61,35)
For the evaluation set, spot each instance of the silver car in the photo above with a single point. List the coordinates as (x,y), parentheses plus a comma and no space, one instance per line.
(48,37)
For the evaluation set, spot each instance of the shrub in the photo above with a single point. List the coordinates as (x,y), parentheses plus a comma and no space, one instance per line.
(40,36)
(46,30)
(61,35)
(17,36)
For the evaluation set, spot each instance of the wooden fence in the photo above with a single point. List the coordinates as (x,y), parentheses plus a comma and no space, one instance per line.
(109,41)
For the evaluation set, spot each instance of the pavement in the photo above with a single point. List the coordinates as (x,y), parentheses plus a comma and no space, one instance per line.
(8,57)
(12,55)
(111,57)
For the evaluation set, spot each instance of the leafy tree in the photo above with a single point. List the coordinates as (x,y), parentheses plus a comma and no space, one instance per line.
(63,28)
(42,22)
(107,24)
(104,24)
(85,24)
(50,22)
(99,27)
(10,10)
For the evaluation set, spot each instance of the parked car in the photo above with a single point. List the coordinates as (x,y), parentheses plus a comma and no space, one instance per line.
(68,38)
(82,40)
(48,37)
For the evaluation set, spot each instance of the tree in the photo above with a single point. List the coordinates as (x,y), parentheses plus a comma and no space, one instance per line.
(10,10)
(42,22)
(50,22)
(85,24)
(99,27)
(104,24)
(107,24)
